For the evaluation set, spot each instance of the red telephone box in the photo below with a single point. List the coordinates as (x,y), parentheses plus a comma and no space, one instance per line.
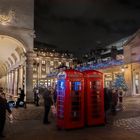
(94,97)
(70,99)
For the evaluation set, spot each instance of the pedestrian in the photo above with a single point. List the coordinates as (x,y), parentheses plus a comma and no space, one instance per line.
(48,102)
(21,98)
(114,101)
(107,103)
(36,97)
(120,95)
(3,107)
(55,95)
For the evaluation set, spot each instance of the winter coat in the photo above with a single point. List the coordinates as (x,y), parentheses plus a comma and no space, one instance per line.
(3,107)
(48,101)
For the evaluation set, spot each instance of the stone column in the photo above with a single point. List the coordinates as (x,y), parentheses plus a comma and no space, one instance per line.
(7,90)
(29,77)
(11,82)
(20,77)
(15,81)
(9,79)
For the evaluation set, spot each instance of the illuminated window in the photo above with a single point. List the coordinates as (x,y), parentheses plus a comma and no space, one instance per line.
(43,69)
(44,54)
(43,62)
(137,83)
(51,63)
(56,63)
(51,69)
(34,69)
(67,64)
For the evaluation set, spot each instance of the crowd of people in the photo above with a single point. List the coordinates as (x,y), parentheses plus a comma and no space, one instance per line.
(112,97)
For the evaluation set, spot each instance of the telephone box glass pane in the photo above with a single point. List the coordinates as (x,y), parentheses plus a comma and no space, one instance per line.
(75,100)
(95,85)
(60,98)
(95,98)
(76,86)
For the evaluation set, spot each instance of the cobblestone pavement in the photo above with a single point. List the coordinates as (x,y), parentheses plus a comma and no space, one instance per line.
(129,124)
(28,125)
(129,117)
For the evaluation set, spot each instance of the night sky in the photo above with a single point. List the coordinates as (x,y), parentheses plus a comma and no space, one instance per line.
(81,25)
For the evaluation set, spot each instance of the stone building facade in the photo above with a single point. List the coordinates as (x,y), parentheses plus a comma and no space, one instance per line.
(46,65)
(132,63)
(130,67)
(16,45)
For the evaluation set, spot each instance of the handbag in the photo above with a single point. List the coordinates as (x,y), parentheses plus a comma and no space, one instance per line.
(11,118)
(53,110)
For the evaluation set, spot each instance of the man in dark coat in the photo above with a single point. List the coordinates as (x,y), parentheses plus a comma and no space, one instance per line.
(114,101)
(3,107)
(36,97)
(107,103)
(48,102)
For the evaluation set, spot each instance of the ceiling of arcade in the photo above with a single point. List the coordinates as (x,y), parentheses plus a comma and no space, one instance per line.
(11,51)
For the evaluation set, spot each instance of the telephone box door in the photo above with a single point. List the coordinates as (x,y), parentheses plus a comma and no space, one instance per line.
(70,100)
(94,97)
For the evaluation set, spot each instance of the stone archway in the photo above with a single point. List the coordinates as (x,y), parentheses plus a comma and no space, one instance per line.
(15,66)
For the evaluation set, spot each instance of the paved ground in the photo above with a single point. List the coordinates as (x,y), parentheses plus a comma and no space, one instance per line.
(28,125)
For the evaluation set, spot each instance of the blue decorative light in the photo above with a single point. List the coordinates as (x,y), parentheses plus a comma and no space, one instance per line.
(100,65)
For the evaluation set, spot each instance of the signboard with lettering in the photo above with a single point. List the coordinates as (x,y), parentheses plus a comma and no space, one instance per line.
(61,75)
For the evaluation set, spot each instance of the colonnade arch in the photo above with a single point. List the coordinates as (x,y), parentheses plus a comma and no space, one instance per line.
(14,60)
